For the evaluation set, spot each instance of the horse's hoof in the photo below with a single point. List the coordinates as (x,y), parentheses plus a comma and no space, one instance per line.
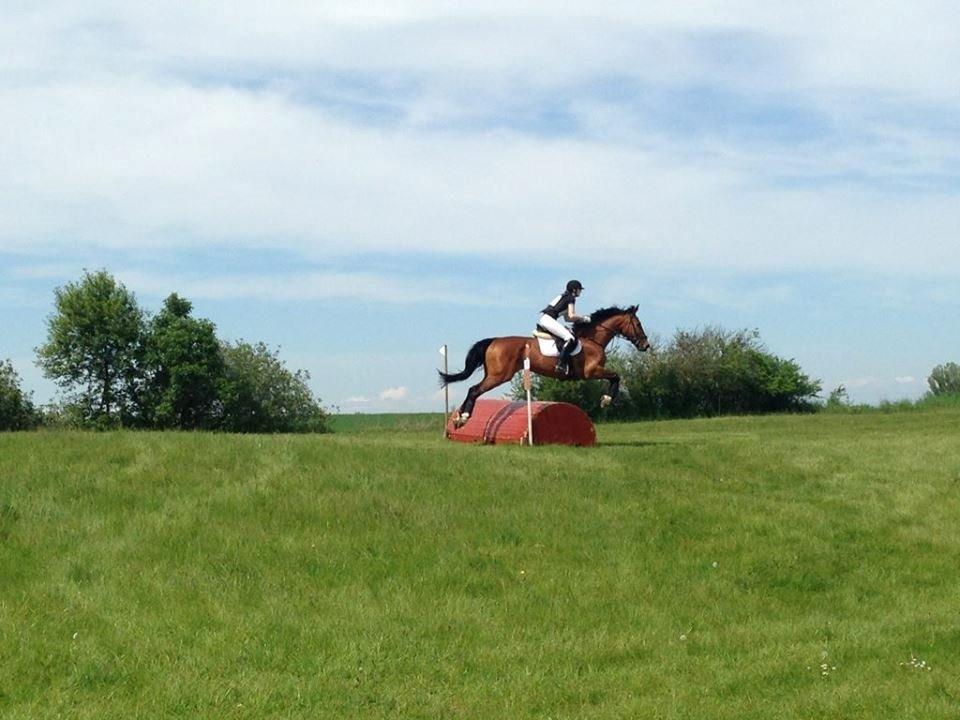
(605,401)
(461,420)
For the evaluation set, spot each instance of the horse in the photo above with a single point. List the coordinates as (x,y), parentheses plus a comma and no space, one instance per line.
(502,357)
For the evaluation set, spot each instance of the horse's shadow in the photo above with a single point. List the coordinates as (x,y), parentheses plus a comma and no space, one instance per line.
(633,443)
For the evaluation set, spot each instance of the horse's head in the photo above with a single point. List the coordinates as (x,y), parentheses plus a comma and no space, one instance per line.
(607,323)
(632,330)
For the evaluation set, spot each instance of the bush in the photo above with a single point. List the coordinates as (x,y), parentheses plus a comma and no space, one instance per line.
(62,416)
(712,372)
(585,394)
(698,374)
(259,394)
(839,398)
(16,407)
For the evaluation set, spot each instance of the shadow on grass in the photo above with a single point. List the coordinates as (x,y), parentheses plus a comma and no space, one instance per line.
(634,443)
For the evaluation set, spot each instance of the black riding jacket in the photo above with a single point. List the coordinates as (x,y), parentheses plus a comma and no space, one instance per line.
(559,304)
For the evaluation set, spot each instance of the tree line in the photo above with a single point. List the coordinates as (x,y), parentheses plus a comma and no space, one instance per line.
(119,367)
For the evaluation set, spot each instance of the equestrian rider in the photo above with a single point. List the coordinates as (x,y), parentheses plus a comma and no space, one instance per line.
(563,304)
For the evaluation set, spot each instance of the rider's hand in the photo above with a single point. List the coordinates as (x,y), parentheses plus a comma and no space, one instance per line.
(585,318)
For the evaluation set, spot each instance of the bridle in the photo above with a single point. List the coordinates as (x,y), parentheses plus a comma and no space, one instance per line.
(637,342)
(603,324)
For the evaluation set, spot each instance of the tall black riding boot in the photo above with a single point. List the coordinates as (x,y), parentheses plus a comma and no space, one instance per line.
(563,360)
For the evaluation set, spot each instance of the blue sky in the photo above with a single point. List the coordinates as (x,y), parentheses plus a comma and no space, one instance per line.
(361,182)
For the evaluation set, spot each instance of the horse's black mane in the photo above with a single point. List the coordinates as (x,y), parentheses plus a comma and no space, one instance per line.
(598,316)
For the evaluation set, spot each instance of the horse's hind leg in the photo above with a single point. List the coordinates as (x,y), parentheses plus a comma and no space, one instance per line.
(466,409)
(494,377)
(497,372)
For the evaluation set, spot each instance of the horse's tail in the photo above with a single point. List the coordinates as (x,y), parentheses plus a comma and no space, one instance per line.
(474,360)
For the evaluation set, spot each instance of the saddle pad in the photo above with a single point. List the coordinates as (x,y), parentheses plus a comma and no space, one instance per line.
(548,345)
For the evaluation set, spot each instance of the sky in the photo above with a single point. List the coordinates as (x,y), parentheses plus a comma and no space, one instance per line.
(358,183)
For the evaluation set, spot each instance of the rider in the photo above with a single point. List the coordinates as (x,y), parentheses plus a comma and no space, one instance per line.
(563,304)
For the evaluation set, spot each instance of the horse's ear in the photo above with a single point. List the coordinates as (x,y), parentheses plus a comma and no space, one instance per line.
(632,309)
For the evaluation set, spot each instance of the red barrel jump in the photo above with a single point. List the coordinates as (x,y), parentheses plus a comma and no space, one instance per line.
(505,421)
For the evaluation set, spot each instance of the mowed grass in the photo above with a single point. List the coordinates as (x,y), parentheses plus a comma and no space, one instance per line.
(775,567)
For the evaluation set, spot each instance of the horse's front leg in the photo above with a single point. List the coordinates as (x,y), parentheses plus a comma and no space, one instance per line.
(599,372)
(613,390)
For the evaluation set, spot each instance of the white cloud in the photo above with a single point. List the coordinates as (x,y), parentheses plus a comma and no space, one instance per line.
(358,399)
(295,286)
(137,164)
(840,45)
(397,393)
(174,126)
(905,380)
(860,382)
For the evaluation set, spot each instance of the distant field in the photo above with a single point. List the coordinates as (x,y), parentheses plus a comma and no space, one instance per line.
(770,567)
(376,422)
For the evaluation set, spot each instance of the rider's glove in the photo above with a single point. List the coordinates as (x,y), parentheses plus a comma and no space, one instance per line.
(585,318)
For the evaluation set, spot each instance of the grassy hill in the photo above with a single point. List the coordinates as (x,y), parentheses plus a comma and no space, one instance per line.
(776,567)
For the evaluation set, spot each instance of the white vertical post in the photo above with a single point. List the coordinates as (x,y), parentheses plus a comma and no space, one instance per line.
(527,384)
(446,391)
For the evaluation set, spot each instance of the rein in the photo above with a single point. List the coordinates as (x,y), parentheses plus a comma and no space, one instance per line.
(603,325)
(599,325)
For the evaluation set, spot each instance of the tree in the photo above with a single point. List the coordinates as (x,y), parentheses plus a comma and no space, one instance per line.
(16,408)
(259,394)
(945,379)
(182,368)
(94,339)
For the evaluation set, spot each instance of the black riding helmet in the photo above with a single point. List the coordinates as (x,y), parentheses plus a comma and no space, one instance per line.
(574,285)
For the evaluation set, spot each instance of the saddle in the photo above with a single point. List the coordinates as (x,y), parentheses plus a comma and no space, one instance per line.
(550,345)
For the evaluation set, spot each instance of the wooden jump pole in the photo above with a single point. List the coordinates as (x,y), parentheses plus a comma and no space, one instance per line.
(446,390)
(527,385)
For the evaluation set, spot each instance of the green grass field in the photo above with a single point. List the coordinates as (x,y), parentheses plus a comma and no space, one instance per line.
(771,567)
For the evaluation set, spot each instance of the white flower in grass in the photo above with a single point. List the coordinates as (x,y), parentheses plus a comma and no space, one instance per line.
(825,667)
(916,663)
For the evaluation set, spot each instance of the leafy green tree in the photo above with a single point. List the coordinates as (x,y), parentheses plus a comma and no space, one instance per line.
(16,408)
(183,369)
(945,379)
(259,394)
(94,340)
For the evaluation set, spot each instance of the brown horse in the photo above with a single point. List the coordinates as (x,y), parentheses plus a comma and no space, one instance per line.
(502,357)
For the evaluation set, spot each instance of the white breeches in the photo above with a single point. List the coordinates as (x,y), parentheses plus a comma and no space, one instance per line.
(556,327)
